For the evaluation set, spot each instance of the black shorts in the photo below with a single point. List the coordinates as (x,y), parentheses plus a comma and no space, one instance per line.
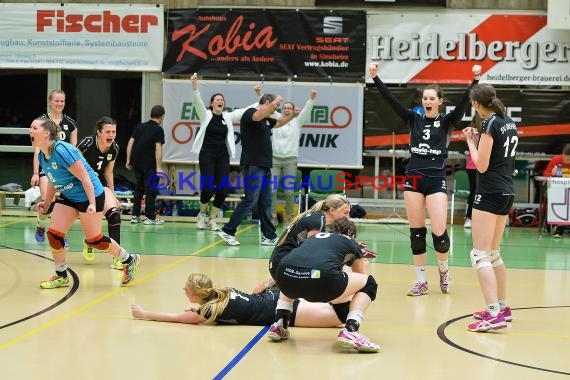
(425,185)
(311,284)
(41,172)
(275,259)
(495,203)
(82,206)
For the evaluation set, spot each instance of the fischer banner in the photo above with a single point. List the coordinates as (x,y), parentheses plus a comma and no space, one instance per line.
(81,36)
(271,43)
(331,138)
(427,47)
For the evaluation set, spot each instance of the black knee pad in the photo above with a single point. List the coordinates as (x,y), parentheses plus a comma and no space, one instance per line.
(283,314)
(101,242)
(418,240)
(56,240)
(370,288)
(441,243)
(113,216)
(341,310)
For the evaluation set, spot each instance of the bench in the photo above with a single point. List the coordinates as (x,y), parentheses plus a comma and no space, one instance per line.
(19,196)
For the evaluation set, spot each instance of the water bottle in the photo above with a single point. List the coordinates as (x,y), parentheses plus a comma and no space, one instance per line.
(559,169)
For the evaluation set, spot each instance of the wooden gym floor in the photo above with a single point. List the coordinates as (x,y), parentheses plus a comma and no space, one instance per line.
(86,331)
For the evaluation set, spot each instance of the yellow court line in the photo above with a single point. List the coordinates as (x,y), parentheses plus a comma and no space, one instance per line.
(102,298)
(10,223)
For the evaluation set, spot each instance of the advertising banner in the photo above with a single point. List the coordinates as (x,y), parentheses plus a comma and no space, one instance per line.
(81,36)
(558,201)
(271,43)
(427,47)
(332,138)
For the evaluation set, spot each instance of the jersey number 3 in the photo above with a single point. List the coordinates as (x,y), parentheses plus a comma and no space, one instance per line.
(512,145)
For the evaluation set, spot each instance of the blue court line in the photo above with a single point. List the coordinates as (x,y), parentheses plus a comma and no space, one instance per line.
(241,354)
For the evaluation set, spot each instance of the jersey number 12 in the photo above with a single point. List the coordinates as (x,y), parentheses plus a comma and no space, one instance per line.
(514,141)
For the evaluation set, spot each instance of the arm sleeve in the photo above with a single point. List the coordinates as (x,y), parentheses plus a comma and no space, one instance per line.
(199,105)
(305,114)
(398,107)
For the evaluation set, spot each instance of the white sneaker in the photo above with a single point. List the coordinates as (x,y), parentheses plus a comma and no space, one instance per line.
(151,222)
(231,240)
(135,220)
(213,226)
(467,223)
(266,241)
(202,221)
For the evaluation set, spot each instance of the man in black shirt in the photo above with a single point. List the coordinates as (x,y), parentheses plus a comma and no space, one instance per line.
(255,163)
(144,155)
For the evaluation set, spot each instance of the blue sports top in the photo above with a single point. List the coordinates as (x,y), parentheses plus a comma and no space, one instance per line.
(57,171)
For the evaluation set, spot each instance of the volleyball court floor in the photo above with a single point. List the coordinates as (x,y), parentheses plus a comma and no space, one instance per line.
(86,331)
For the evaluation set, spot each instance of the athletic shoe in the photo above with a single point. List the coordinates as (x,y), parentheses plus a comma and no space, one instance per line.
(135,219)
(153,222)
(507,314)
(277,333)
(202,221)
(88,252)
(212,225)
(488,322)
(266,241)
(444,281)
(467,223)
(117,264)
(40,235)
(357,341)
(231,240)
(55,282)
(129,270)
(419,289)
(557,233)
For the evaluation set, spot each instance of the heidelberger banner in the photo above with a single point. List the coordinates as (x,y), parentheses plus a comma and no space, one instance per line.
(270,43)
(81,36)
(542,117)
(332,138)
(427,47)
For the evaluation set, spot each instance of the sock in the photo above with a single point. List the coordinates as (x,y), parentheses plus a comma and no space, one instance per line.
(353,320)
(421,274)
(124,256)
(61,269)
(503,304)
(42,221)
(443,266)
(493,309)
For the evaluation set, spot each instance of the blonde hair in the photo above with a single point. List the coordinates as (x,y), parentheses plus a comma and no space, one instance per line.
(215,299)
(53,129)
(335,201)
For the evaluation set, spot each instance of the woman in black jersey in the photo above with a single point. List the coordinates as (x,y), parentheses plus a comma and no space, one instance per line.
(314,272)
(305,225)
(214,144)
(101,151)
(494,157)
(425,184)
(68,133)
(231,306)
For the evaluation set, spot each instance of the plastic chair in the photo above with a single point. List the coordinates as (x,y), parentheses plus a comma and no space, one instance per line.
(460,189)
(324,183)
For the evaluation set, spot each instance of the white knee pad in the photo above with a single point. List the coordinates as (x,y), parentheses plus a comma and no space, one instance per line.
(496,258)
(480,259)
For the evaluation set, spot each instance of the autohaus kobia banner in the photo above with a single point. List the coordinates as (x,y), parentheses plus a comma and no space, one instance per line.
(514,49)
(273,43)
(82,36)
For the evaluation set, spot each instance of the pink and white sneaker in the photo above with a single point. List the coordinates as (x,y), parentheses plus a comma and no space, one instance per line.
(507,314)
(357,341)
(488,323)
(277,333)
(444,281)
(419,289)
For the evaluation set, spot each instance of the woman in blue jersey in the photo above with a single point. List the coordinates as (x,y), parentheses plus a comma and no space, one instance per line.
(231,306)
(425,184)
(80,195)
(494,158)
